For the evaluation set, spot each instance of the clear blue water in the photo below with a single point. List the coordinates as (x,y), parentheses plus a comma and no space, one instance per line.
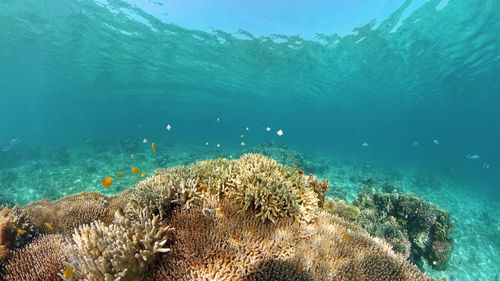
(82,83)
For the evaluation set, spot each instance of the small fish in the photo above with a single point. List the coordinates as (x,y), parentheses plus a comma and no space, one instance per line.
(20,231)
(206,143)
(486,166)
(472,157)
(434,262)
(294,165)
(223,158)
(242,136)
(68,272)
(132,156)
(135,170)
(143,174)
(153,146)
(242,143)
(168,127)
(346,237)
(48,226)
(218,145)
(297,222)
(107,181)
(279,132)
(365,144)
(288,155)
(145,141)
(436,141)
(268,129)
(414,143)
(120,175)
(139,126)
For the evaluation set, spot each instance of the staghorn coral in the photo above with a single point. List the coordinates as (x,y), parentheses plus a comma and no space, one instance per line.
(121,251)
(69,212)
(41,260)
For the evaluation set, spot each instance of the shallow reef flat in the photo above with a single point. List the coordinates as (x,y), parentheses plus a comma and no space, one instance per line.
(249,218)
(56,172)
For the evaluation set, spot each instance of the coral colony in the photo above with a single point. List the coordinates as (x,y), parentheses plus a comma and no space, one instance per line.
(243,219)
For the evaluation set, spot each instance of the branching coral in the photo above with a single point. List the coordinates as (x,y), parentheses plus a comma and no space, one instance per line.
(401,219)
(119,251)
(7,232)
(41,260)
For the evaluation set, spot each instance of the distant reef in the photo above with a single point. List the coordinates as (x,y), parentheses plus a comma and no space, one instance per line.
(243,219)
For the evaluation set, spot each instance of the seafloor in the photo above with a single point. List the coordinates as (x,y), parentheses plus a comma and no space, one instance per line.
(30,173)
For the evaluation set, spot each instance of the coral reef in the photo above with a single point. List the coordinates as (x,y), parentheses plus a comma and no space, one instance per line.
(122,250)
(403,220)
(7,232)
(41,260)
(244,219)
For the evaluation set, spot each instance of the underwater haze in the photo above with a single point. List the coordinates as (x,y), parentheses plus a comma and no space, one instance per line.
(407,89)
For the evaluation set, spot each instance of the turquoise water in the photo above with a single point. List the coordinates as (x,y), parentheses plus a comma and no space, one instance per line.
(83,83)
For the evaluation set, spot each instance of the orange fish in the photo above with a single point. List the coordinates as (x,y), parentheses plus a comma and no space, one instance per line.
(49,226)
(120,176)
(153,146)
(294,165)
(135,170)
(143,174)
(107,181)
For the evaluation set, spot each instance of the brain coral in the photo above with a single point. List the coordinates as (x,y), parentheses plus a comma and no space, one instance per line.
(247,219)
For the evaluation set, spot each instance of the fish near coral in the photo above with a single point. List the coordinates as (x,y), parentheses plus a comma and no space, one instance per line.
(153,146)
(295,166)
(143,174)
(68,271)
(49,226)
(107,181)
(135,170)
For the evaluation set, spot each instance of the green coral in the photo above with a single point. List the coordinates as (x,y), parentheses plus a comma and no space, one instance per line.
(351,212)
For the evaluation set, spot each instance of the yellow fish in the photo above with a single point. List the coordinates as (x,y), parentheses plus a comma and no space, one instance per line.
(49,226)
(107,181)
(297,221)
(120,176)
(143,174)
(289,155)
(153,146)
(135,170)
(346,237)
(294,165)
(20,231)
(68,272)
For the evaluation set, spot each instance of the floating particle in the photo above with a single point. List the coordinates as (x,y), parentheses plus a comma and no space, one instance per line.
(246,128)
(268,129)
(153,146)
(436,141)
(135,170)
(206,143)
(231,156)
(145,141)
(168,127)
(242,136)
(279,132)
(107,181)
(218,145)
(243,143)
(365,144)
(414,143)
(218,119)
(132,156)
(139,126)
(472,156)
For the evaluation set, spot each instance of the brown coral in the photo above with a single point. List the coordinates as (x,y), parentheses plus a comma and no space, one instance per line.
(69,212)
(7,232)
(41,260)
(219,242)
